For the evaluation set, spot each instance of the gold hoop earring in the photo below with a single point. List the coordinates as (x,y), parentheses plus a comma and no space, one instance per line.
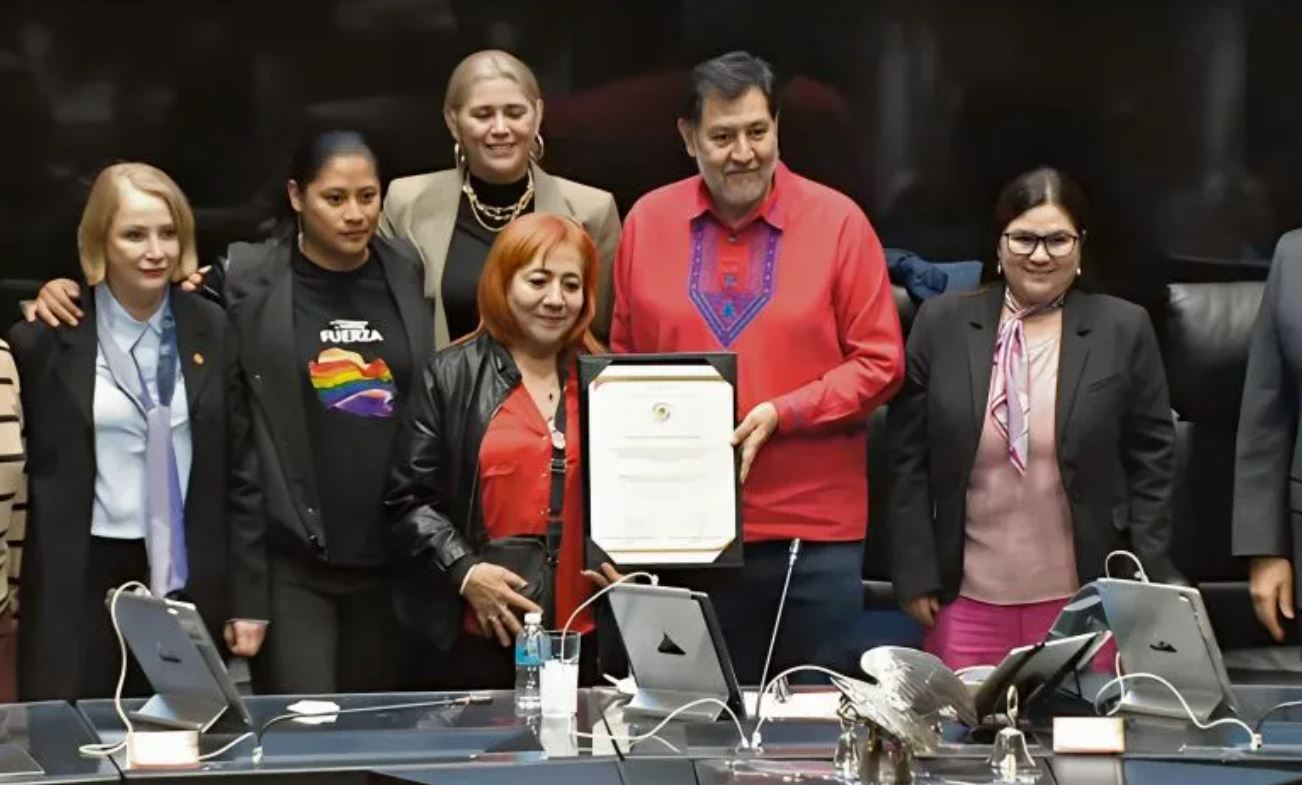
(539,149)
(458,156)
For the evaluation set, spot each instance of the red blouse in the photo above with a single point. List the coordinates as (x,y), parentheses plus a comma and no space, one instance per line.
(515,480)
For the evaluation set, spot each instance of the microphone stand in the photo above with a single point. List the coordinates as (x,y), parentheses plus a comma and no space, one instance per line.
(792,553)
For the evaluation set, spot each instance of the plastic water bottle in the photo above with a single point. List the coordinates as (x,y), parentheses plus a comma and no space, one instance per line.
(529,645)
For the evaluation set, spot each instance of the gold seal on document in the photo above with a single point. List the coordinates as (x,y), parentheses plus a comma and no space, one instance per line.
(660,413)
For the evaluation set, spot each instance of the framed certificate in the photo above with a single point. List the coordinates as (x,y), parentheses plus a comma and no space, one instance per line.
(659,471)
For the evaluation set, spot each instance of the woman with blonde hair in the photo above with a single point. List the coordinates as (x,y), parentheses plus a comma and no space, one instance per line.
(140,462)
(494,110)
(474,463)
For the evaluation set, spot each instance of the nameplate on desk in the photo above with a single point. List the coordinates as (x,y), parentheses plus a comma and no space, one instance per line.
(164,749)
(1089,735)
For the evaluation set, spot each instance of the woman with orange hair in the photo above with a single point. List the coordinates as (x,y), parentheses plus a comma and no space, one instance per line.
(474,486)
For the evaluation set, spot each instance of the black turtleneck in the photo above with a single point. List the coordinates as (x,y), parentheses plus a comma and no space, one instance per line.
(469,249)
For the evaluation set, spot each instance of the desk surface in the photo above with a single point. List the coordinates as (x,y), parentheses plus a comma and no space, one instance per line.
(488,744)
(388,736)
(50,734)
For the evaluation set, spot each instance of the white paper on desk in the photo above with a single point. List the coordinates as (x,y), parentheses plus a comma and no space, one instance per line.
(804,705)
(314,712)
(661,463)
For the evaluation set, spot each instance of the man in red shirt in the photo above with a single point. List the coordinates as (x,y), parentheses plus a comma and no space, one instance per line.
(751,258)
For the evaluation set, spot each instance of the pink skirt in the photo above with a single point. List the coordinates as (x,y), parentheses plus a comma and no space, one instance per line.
(971,633)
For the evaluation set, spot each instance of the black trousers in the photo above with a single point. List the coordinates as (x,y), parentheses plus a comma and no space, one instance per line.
(109,564)
(332,630)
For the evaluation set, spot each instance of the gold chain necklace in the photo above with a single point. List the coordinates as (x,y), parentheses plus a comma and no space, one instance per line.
(499,215)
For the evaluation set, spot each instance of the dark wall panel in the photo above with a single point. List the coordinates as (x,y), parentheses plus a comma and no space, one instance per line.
(1183,120)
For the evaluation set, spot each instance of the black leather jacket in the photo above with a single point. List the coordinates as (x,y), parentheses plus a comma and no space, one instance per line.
(433,496)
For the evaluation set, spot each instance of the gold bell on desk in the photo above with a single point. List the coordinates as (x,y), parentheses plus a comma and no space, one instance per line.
(1010,758)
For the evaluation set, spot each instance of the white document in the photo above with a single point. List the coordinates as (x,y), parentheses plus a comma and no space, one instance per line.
(661,463)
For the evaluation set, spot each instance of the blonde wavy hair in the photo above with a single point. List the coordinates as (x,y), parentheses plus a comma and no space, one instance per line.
(102,206)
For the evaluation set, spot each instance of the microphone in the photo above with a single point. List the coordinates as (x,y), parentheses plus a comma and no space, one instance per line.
(792,553)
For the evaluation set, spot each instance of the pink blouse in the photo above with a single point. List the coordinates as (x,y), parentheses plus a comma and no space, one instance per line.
(1019,545)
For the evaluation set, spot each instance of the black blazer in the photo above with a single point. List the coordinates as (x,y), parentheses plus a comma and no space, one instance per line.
(224,523)
(1268,465)
(1114,431)
(258,288)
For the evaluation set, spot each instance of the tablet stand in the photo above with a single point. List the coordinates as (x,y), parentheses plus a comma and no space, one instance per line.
(186,712)
(661,703)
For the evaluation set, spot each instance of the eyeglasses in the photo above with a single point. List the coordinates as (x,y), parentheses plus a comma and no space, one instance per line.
(1057,245)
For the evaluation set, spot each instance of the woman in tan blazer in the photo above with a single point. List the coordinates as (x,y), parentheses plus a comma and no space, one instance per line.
(493,109)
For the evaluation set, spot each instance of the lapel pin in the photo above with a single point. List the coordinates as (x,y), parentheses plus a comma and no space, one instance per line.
(198,359)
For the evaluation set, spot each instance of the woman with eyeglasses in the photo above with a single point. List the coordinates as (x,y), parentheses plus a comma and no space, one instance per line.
(1032,437)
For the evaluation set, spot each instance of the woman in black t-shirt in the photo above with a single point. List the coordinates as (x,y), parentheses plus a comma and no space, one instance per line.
(333,323)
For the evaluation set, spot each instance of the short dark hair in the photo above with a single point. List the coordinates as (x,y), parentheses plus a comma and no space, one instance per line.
(730,75)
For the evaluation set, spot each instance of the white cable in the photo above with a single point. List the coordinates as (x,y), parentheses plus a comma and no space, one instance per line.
(1139,566)
(755,737)
(655,581)
(1277,707)
(1254,738)
(741,734)
(105,750)
(238,739)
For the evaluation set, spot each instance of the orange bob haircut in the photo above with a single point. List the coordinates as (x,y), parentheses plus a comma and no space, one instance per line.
(522,241)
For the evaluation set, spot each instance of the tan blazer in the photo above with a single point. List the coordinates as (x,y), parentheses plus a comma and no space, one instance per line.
(423,210)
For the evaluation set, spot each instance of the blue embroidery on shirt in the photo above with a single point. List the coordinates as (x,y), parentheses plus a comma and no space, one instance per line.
(726,305)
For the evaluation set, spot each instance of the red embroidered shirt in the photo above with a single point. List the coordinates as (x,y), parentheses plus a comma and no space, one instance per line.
(800,293)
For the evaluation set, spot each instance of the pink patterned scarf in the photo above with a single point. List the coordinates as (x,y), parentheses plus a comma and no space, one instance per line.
(1012,380)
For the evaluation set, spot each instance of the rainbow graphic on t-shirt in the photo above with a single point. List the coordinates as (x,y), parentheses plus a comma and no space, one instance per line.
(344,381)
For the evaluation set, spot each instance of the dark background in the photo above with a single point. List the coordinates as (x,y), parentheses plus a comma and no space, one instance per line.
(1182,120)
